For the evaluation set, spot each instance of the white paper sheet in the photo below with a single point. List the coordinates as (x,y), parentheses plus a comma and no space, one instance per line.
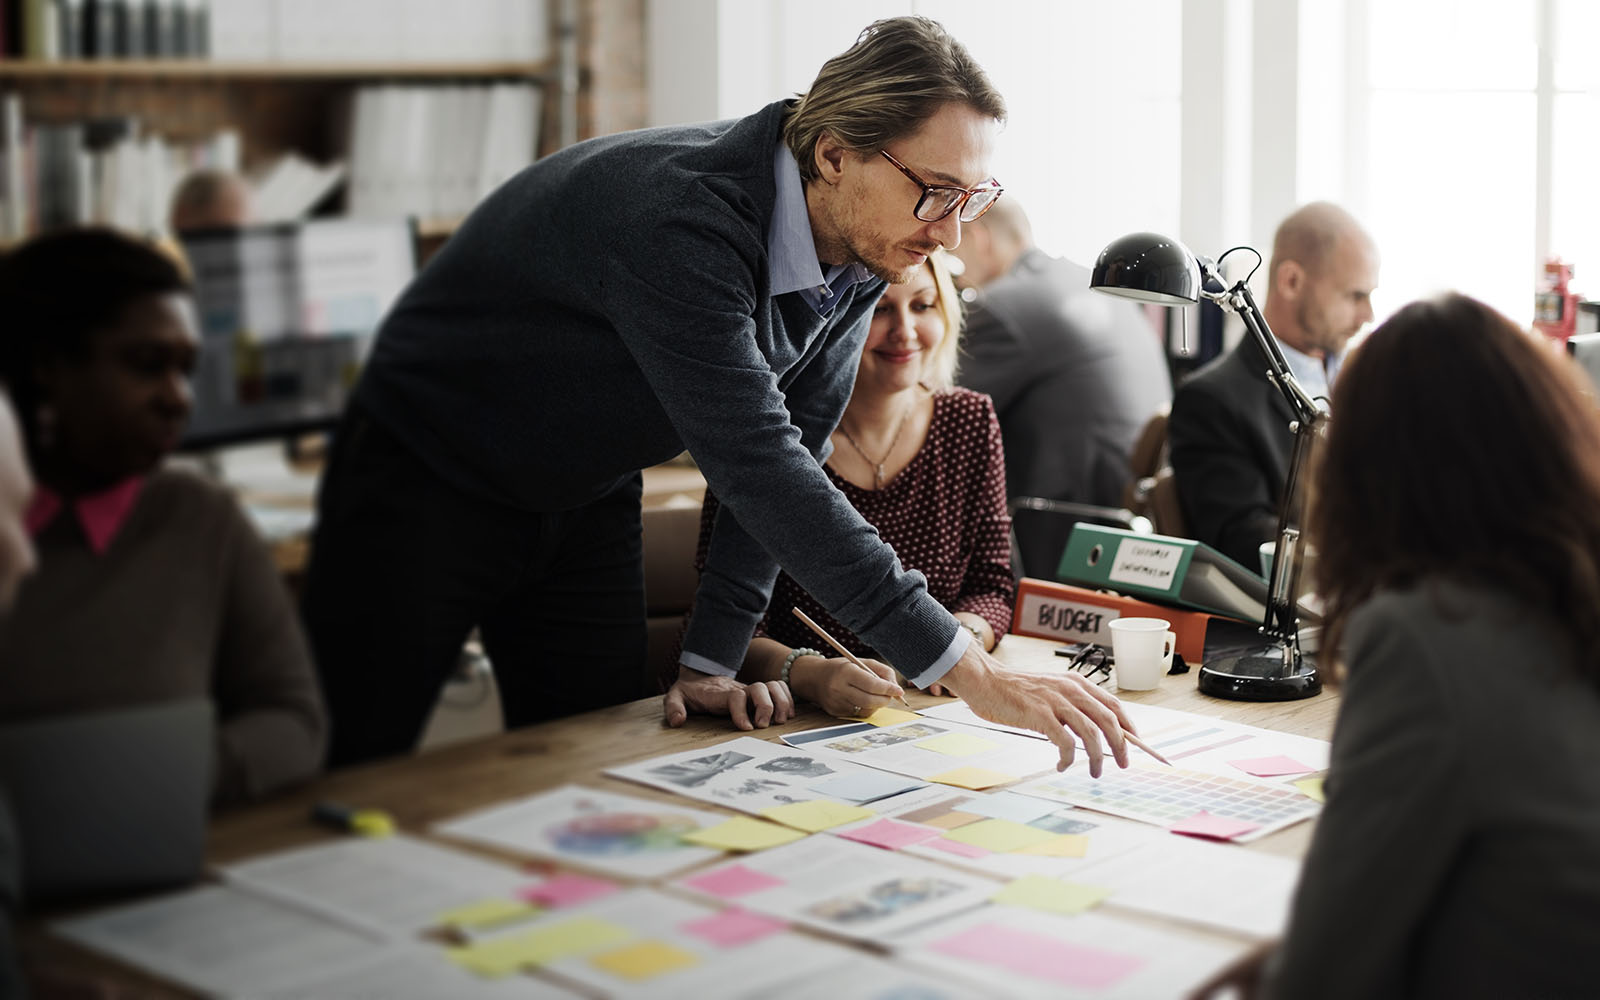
(649,918)
(1211,885)
(1108,837)
(908,748)
(224,940)
(1196,742)
(864,977)
(619,834)
(1086,957)
(420,973)
(397,886)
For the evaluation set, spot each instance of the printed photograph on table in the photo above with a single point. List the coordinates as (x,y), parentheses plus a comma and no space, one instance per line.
(842,887)
(873,739)
(751,775)
(620,834)
(885,899)
(696,771)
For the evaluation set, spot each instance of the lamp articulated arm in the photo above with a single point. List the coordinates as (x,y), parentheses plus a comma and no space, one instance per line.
(1150,267)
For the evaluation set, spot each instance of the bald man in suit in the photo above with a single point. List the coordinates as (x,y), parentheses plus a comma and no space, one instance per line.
(1229,429)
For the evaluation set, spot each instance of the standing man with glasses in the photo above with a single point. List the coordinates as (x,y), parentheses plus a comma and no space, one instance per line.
(705,287)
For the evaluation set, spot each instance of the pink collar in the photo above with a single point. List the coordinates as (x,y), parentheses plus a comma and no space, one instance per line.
(101,514)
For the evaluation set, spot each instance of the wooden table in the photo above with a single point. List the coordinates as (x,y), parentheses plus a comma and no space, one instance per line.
(420,790)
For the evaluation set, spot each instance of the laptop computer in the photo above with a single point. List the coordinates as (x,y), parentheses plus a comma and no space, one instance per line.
(109,801)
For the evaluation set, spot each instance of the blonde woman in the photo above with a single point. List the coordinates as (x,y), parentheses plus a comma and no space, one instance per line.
(921,460)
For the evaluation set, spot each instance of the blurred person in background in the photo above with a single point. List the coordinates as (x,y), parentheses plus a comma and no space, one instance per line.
(1074,374)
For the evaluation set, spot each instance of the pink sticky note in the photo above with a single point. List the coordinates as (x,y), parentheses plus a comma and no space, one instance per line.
(890,834)
(1203,824)
(1271,767)
(734,927)
(957,847)
(1041,956)
(567,890)
(732,881)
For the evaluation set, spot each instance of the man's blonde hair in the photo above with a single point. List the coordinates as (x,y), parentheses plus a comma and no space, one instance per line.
(897,75)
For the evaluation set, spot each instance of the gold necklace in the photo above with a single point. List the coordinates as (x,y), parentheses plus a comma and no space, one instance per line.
(877,466)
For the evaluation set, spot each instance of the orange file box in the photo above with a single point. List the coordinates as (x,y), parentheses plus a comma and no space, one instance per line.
(1049,610)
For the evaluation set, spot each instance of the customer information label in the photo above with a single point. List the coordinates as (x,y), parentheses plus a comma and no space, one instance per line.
(1145,563)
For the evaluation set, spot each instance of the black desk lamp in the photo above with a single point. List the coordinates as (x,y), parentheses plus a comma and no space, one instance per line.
(1154,268)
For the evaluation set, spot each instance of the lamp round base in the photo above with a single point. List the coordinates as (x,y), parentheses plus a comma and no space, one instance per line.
(1260,674)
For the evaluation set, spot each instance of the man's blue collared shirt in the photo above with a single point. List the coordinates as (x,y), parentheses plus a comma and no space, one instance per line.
(792,263)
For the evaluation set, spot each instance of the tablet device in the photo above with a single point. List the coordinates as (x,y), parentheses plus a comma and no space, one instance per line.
(112,800)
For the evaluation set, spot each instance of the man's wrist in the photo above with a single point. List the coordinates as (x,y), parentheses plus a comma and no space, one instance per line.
(973,665)
(688,673)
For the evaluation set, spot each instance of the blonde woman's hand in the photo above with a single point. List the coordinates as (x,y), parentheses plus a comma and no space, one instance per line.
(843,689)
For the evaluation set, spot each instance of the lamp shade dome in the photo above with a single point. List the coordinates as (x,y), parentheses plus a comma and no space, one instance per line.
(1148,267)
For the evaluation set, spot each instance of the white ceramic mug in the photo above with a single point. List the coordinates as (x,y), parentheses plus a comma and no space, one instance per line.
(1142,649)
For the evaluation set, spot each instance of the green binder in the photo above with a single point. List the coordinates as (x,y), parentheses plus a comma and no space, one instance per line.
(1178,571)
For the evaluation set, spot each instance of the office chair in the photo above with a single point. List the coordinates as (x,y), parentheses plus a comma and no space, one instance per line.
(1164,509)
(1148,457)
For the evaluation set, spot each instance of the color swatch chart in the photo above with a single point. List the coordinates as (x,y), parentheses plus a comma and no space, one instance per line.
(1169,796)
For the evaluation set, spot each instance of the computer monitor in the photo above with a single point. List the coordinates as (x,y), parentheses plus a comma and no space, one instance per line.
(287,313)
(1585,350)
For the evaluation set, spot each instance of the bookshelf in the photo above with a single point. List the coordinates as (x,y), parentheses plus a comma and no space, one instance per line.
(591,83)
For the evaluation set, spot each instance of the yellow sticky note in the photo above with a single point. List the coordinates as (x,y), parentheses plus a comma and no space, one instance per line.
(957,744)
(486,913)
(818,814)
(890,717)
(1067,845)
(1311,787)
(501,956)
(951,820)
(645,960)
(975,778)
(1039,892)
(1000,835)
(743,834)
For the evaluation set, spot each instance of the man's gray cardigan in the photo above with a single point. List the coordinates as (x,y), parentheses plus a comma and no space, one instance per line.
(609,307)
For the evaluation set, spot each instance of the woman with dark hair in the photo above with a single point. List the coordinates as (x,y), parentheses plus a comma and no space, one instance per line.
(1456,509)
(151,584)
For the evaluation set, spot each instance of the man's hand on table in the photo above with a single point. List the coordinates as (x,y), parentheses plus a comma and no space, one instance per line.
(1051,704)
(751,706)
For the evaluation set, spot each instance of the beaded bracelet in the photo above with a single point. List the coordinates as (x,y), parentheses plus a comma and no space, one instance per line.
(795,654)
